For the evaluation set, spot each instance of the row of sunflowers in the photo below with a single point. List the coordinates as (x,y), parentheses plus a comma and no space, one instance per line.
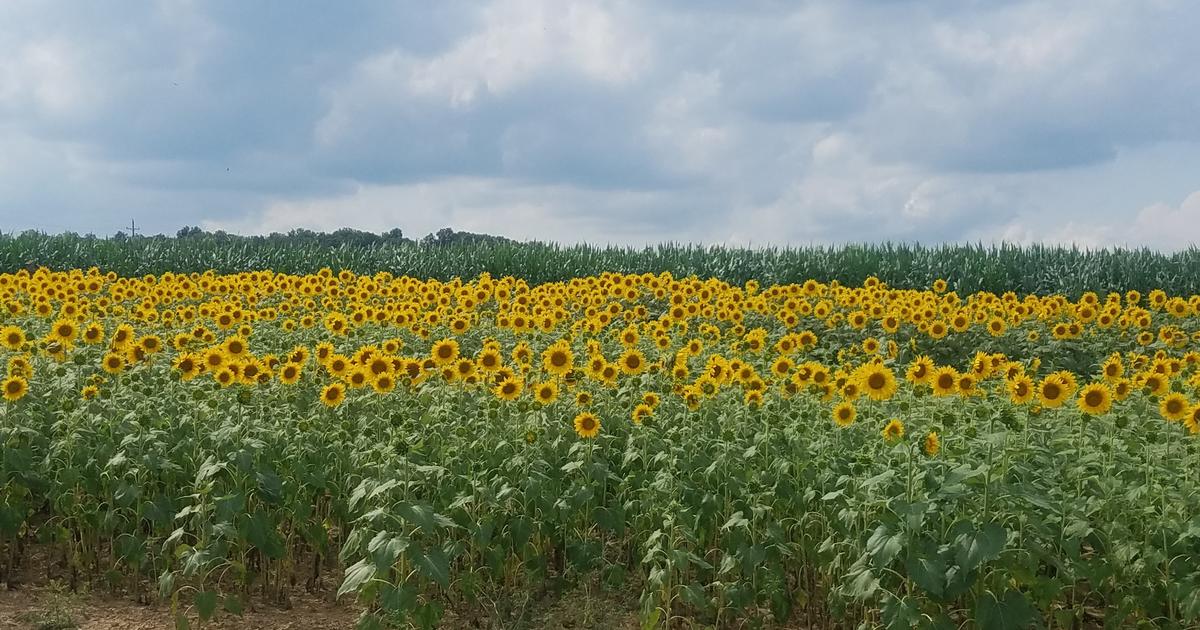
(735,451)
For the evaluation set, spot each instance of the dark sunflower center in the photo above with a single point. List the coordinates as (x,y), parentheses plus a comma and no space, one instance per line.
(876,381)
(1093,399)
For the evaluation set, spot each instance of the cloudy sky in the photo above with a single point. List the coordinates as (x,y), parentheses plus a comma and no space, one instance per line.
(748,122)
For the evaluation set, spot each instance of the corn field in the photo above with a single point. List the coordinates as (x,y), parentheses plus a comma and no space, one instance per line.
(741,447)
(968,268)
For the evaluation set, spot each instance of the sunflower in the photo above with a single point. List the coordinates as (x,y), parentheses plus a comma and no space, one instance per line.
(15,388)
(444,352)
(1174,407)
(333,394)
(632,361)
(920,371)
(89,392)
(1192,421)
(944,381)
(1095,399)
(235,346)
(1020,389)
(651,399)
(1052,392)
(587,425)
(844,414)
(508,389)
(12,337)
(489,360)
(894,430)
(1155,384)
(1113,368)
(641,412)
(188,366)
(226,376)
(383,383)
(583,398)
(877,381)
(558,359)
(94,333)
(64,331)
(113,363)
(1122,388)
(932,444)
(289,374)
(545,392)
(968,384)
(338,365)
(358,377)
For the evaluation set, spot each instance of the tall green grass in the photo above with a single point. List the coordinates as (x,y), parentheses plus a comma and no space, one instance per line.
(968,268)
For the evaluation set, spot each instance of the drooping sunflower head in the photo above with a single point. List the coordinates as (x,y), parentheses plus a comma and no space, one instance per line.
(932,444)
(893,431)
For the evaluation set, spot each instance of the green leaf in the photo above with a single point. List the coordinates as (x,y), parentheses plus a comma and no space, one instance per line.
(900,613)
(356,575)
(929,573)
(259,532)
(423,516)
(206,604)
(234,605)
(884,545)
(433,564)
(975,548)
(385,548)
(862,584)
(650,621)
(395,599)
(1010,612)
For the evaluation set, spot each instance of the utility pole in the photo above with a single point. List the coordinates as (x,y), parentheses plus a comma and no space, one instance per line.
(132,228)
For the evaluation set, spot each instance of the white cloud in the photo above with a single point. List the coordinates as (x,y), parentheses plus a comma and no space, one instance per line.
(616,120)
(48,76)
(1166,226)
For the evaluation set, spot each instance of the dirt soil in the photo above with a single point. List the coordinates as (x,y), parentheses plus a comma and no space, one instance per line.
(39,608)
(37,603)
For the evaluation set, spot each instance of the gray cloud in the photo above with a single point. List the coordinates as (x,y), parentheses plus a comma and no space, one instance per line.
(762,122)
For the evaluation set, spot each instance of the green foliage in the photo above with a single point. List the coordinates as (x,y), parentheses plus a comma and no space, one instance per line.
(968,268)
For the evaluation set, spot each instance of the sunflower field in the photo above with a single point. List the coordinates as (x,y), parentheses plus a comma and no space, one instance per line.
(807,454)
